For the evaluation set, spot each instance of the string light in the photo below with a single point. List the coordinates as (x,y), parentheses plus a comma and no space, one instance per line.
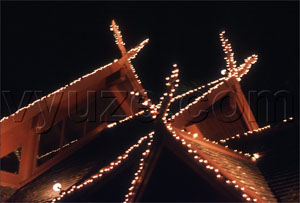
(192,152)
(234,71)
(134,51)
(251,132)
(58,149)
(108,168)
(54,93)
(209,167)
(201,160)
(257,130)
(118,36)
(198,99)
(130,55)
(126,119)
(197,89)
(137,174)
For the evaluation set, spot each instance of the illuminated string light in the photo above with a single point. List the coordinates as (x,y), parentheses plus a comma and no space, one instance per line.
(137,174)
(207,165)
(230,62)
(234,71)
(168,125)
(56,150)
(188,146)
(130,55)
(195,135)
(126,119)
(108,168)
(55,92)
(134,51)
(118,36)
(237,136)
(200,160)
(251,132)
(198,99)
(197,89)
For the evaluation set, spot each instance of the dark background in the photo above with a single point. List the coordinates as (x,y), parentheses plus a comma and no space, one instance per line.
(46,45)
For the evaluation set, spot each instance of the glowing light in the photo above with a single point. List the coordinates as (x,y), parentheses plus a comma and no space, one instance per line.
(57,187)
(108,168)
(223,72)
(256,155)
(246,133)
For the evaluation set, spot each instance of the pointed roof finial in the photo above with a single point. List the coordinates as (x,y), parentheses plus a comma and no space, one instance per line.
(118,36)
(134,51)
(230,62)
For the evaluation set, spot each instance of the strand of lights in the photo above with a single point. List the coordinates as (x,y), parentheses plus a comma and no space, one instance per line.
(168,125)
(55,92)
(106,169)
(197,89)
(195,135)
(194,152)
(239,72)
(244,68)
(118,36)
(197,100)
(56,150)
(200,160)
(126,119)
(250,132)
(230,62)
(233,71)
(247,155)
(132,53)
(137,174)
(172,83)
(137,77)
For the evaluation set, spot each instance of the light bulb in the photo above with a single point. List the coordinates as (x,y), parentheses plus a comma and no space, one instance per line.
(56,187)
(223,72)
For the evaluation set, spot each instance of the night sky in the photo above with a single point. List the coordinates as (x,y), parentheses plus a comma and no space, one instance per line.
(46,45)
(49,44)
